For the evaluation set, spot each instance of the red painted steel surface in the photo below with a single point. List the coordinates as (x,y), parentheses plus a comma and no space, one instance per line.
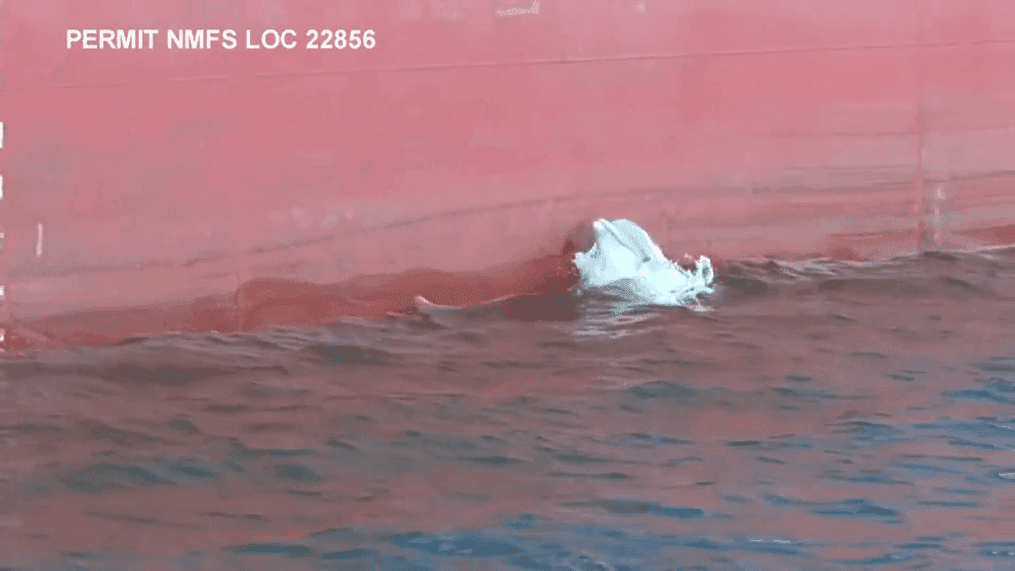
(479,132)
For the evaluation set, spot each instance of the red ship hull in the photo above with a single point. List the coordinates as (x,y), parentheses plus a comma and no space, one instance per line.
(476,134)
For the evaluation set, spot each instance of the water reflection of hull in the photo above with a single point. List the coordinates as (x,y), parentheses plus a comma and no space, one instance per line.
(475,133)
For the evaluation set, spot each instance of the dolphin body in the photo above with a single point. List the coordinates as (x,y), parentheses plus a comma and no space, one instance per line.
(624,262)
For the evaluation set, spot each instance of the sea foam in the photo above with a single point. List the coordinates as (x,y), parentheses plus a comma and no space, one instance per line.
(625,262)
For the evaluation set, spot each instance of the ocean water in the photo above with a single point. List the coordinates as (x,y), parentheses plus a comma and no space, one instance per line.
(809,414)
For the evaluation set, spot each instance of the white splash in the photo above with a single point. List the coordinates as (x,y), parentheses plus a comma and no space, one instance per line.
(534,9)
(626,263)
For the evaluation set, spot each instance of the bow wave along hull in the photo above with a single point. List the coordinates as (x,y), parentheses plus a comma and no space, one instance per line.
(474,134)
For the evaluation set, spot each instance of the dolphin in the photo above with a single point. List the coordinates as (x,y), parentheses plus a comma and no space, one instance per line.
(626,263)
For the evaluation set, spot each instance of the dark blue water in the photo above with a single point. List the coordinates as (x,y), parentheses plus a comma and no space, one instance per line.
(811,415)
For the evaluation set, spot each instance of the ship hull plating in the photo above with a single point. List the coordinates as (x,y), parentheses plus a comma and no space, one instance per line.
(478,133)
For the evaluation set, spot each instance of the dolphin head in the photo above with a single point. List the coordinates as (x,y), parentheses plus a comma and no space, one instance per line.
(622,250)
(625,261)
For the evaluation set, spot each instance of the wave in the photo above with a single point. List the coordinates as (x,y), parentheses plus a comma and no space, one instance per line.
(625,262)
(607,264)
